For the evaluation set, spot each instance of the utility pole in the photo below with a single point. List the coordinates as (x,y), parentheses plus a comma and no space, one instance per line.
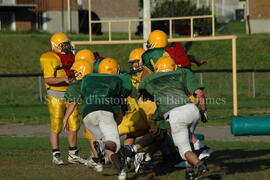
(62,14)
(69,15)
(146,24)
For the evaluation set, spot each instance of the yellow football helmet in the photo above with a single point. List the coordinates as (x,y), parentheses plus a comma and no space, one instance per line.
(81,68)
(157,39)
(60,42)
(108,66)
(85,54)
(165,64)
(135,56)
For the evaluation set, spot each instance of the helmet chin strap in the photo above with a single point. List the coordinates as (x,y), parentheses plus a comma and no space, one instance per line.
(151,46)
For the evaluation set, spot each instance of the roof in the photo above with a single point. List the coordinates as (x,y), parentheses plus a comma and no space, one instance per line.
(18,5)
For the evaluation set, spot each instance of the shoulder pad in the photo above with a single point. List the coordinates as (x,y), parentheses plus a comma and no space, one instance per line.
(50,56)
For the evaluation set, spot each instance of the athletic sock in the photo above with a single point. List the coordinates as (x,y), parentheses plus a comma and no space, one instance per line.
(73,150)
(56,152)
(198,145)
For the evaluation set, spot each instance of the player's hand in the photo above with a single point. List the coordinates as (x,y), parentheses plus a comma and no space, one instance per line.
(71,79)
(68,80)
(201,62)
(204,117)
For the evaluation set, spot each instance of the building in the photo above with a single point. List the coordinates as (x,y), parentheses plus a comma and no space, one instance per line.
(224,9)
(48,15)
(66,15)
(111,9)
(258,13)
(16,16)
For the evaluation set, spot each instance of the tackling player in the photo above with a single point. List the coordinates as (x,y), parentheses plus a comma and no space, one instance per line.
(169,89)
(157,47)
(104,94)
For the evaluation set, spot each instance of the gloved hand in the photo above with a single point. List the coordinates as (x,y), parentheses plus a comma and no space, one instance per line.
(204,117)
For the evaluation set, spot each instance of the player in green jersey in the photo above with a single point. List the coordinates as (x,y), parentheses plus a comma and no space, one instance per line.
(168,89)
(104,94)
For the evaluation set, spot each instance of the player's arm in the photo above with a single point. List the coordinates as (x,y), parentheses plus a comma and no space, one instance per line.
(57,80)
(194,87)
(198,62)
(201,98)
(202,101)
(72,96)
(49,64)
(69,111)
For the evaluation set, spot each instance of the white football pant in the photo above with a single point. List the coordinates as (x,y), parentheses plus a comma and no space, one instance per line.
(103,126)
(183,121)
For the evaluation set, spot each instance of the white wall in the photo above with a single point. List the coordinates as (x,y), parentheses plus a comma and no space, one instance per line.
(7,1)
(260,26)
(52,21)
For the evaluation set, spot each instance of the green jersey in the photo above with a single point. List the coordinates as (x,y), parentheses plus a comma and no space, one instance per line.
(100,92)
(105,92)
(151,56)
(169,90)
(73,93)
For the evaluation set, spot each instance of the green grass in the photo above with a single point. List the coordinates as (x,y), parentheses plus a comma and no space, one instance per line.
(234,27)
(30,158)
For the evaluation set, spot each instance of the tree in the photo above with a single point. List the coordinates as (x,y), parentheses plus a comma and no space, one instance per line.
(180,8)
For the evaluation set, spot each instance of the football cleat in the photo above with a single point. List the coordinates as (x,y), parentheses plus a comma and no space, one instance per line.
(74,158)
(122,175)
(202,168)
(100,148)
(204,152)
(190,174)
(139,158)
(57,160)
(128,162)
(92,164)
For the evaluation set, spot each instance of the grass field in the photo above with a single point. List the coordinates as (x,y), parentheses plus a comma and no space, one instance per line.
(30,158)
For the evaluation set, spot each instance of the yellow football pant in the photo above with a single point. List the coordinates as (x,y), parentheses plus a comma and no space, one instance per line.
(133,122)
(149,109)
(57,108)
(88,135)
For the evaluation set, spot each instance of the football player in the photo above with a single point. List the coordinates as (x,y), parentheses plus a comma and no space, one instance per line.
(168,89)
(157,47)
(104,93)
(55,65)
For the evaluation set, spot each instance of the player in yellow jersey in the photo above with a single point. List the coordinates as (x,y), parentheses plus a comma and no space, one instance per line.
(56,65)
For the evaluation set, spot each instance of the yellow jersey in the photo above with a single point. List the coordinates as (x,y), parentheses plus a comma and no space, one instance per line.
(49,62)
